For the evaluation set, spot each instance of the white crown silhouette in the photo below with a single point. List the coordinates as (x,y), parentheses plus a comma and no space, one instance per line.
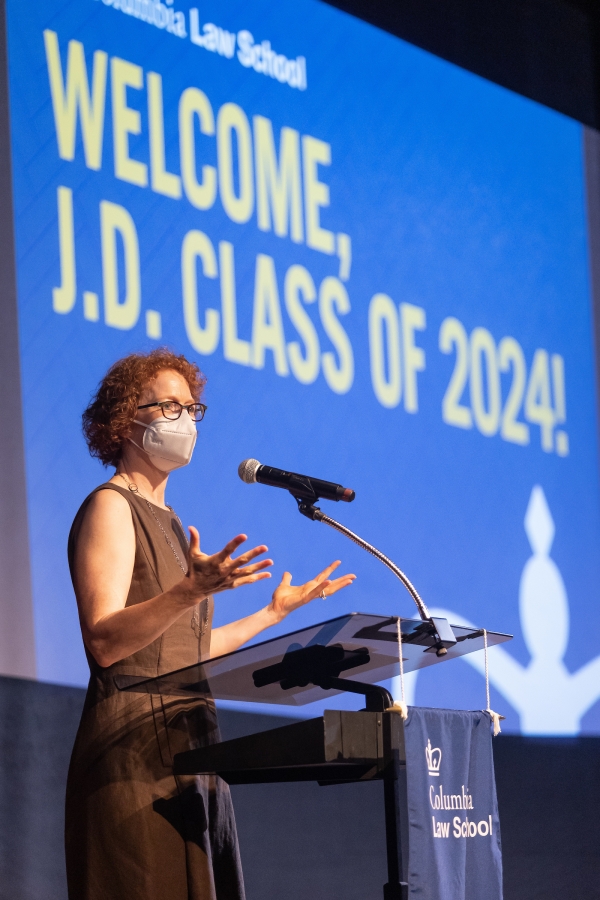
(434,758)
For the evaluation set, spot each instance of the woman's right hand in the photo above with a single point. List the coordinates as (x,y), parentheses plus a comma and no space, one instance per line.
(219,572)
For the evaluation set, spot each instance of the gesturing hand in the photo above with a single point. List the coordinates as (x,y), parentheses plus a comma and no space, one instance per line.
(287,598)
(219,572)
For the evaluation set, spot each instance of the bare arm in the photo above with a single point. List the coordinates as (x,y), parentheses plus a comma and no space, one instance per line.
(286,598)
(103,568)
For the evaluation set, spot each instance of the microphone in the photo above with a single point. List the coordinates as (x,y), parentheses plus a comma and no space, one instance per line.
(300,486)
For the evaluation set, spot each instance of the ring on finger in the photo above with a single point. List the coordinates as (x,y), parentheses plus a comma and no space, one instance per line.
(323,595)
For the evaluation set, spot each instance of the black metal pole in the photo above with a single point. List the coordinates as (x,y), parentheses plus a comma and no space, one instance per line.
(396,808)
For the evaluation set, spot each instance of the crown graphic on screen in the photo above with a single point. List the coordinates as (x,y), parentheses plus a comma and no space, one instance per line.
(434,758)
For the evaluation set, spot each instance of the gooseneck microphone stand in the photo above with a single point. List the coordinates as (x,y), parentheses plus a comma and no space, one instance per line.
(306,492)
(442,634)
(308,509)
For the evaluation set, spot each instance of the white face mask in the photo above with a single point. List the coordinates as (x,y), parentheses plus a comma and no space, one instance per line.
(169,442)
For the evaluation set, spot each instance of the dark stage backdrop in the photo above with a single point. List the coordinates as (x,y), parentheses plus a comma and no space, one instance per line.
(547,50)
(301,840)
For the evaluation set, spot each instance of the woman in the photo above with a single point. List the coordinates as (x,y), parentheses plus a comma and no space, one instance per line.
(133,830)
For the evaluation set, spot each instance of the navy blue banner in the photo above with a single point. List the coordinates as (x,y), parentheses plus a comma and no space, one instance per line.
(454,830)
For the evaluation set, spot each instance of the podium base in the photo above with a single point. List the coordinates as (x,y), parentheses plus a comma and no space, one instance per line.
(395,891)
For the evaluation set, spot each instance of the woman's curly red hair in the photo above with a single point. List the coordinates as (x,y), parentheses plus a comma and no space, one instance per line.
(108,419)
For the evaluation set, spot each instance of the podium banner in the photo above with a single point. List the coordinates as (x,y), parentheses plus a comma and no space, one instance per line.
(454,830)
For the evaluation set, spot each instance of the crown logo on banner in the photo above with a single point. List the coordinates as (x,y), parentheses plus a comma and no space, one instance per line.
(434,758)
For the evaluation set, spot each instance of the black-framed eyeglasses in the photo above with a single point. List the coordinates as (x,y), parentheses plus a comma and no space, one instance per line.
(171,409)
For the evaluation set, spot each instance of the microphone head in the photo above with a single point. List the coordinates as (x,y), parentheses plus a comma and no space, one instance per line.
(247,470)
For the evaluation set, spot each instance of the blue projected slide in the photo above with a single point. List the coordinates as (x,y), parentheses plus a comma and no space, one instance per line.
(379,260)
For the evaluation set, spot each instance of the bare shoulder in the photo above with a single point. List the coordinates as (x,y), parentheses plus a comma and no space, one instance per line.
(107,510)
(104,555)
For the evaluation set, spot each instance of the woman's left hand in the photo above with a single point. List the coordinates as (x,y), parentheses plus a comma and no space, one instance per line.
(287,598)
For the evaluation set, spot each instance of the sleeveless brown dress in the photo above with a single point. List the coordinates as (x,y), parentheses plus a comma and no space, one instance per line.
(133,830)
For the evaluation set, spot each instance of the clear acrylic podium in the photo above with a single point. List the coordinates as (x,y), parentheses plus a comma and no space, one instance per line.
(370,643)
(351,653)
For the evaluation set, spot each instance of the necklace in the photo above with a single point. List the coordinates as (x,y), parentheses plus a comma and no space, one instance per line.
(198,629)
